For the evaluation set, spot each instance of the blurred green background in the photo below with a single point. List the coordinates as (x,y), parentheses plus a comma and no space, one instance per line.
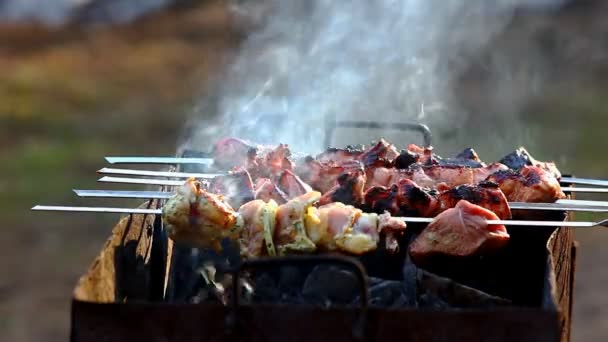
(70,95)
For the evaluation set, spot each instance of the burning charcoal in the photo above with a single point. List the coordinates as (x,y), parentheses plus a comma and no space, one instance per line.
(429,301)
(265,288)
(290,281)
(386,293)
(330,284)
(438,291)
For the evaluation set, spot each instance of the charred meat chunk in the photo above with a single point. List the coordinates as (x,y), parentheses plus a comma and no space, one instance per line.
(292,185)
(349,189)
(519,158)
(416,201)
(405,159)
(381,152)
(531,184)
(339,155)
(323,176)
(236,186)
(381,199)
(461,231)
(485,194)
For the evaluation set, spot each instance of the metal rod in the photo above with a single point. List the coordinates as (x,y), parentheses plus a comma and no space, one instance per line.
(590,190)
(145,181)
(169,174)
(572,206)
(579,224)
(149,181)
(158,160)
(127,194)
(185,175)
(97,209)
(584,181)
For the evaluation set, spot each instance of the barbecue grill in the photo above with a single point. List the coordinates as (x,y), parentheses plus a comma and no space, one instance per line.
(144,287)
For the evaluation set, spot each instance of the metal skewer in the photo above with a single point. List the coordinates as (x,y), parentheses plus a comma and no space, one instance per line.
(168,174)
(208,161)
(150,181)
(573,205)
(158,160)
(575,224)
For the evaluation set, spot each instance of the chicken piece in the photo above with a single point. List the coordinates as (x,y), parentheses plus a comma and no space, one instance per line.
(200,218)
(521,157)
(416,201)
(349,189)
(341,227)
(486,195)
(392,227)
(258,228)
(266,190)
(382,152)
(292,185)
(461,231)
(532,184)
(323,177)
(290,234)
(380,199)
(451,175)
(237,187)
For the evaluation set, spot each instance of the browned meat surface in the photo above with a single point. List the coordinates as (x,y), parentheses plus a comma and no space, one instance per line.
(236,187)
(266,190)
(232,152)
(486,195)
(292,185)
(382,152)
(349,189)
(531,184)
(461,231)
(521,157)
(339,155)
(290,234)
(380,199)
(414,200)
(323,176)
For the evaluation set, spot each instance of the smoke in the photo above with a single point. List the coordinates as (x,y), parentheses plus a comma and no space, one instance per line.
(383,60)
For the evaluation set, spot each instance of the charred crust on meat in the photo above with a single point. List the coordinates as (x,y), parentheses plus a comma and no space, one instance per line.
(406,159)
(517,159)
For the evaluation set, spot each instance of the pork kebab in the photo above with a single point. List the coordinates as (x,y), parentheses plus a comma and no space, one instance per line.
(200,218)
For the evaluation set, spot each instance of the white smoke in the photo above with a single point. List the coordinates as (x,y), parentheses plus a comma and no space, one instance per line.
(382,60)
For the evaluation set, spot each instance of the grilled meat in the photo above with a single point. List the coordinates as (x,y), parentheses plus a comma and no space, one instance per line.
(485,194)
(266,190)
(339,155)
(258,228)
(233,152)
(290,235)
(468,157)
(405,159)
(237,187)
(531,184)
(291,184)
(349,189)
(380,199)
(521,157)
(461,231)
(199,218)
(382,153)
(416,201)
(323,176)
(409,199)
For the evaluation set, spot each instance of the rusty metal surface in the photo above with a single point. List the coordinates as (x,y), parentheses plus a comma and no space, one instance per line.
(268,323)
(133,321)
